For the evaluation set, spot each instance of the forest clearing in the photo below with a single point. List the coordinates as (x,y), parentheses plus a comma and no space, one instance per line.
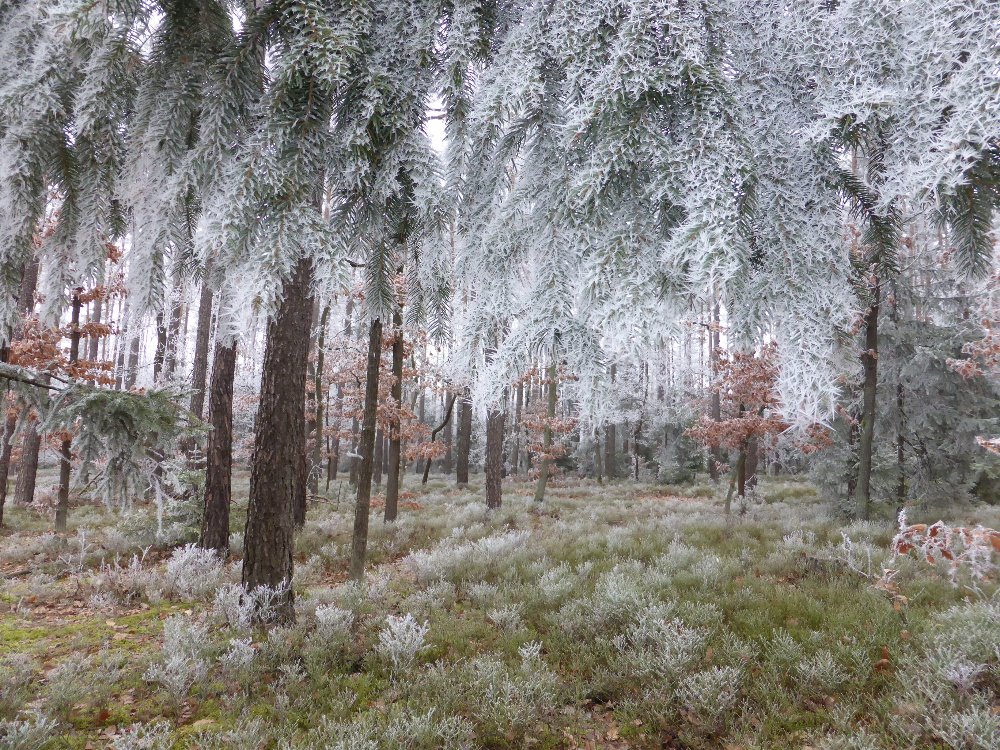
(616,616)
(557,374)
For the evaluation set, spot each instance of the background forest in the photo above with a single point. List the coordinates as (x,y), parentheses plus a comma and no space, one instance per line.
(499,374)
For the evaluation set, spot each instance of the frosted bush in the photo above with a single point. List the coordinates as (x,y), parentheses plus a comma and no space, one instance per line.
(436,596)
(102,601)
(248,734)
(820,673)
(658,647)
(483,593)
(241,609)
(130,582)
(186,646)
(737,649)
(192,572)
(17,672)
(976,728)
(240,656)
(236,543)
(783,650)
(155,736)
(506,618)
(425,731)
(514,698)
(333,623)
(116,541)
(402,730)
(308,572)
(709,695)
(530,653)
(556,583)
(67,684)
(863,557)
(799,539)
(855,739)
(710,569)
(376,586)
(972,629)
(401,641)
(452,559)
(27,734)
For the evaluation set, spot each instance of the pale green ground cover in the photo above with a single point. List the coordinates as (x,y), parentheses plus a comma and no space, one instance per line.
(610,616)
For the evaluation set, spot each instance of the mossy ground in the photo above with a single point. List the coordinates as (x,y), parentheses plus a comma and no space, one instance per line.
(771,574)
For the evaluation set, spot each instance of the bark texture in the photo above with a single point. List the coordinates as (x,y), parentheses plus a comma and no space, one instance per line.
(66,448)
(219,452)
(464,439)
(550,413)
(395,438)
(366,466)
(276,475)
(866,437)
(495,419)
(199,365)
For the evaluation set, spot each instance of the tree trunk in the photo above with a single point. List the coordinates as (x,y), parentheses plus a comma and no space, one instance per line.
(598,464)
(161,347)
(550,413)
(366,466)
(379,457)
(610,441)
(27,467)
(869,361)
(276,476)
(447,465)
(395,438)
(199,365)
(94,341)
(445,425)
(319,397)
(464,440)
(515,456)
(715,455)
(355,438)
(10,425)
(900,451)
(120,349)
(219,452)
(495,419)
(29,283)
(741,472)
(133,362)
(25,303)
(753,459)
(174,339)
(65,449)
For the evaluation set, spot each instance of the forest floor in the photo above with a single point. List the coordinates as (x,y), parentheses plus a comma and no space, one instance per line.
(616,616)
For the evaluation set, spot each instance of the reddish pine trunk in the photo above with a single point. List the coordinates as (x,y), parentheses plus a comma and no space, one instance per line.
(199,366)
(379,458)
(277,480)
(25,302)
(27,467)
(219,452)
(319,400)
(395,439)
(550,413)
(494,457)
(366,466)
(869,361)
(65,450)
(715,455)
(464,439)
